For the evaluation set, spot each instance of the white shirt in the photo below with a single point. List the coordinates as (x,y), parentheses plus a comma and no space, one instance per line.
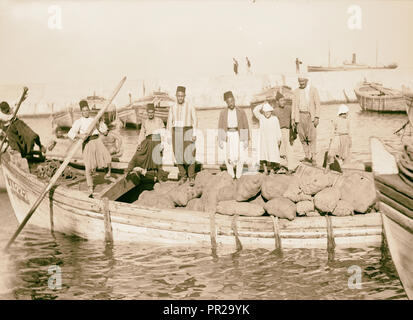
(232,118)
(182,115)
(81,125)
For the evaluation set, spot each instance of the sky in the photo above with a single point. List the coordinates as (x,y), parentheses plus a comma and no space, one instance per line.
(164,38)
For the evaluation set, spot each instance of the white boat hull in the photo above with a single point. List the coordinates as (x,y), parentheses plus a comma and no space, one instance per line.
(72,212)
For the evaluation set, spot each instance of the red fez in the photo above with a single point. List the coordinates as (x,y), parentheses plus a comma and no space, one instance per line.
(228,94)
(180,89)
(83,103)
(4,106)
(150,106)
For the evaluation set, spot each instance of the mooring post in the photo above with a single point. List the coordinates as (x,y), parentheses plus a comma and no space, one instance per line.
(107,221)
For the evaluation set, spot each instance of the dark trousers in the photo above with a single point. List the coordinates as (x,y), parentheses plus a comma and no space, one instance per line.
(184,151)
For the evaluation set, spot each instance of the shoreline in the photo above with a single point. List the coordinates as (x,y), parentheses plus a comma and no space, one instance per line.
(202,92)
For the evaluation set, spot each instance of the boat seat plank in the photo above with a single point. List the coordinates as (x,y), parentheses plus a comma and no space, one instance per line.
(119,187)
(394,182)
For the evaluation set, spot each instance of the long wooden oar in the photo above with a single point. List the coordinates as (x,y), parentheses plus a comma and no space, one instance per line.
(72,150)
(22,98)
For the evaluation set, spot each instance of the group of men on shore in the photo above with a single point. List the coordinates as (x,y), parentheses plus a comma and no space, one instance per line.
(279,123)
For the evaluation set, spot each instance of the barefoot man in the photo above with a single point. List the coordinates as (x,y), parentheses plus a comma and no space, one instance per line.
(95,154)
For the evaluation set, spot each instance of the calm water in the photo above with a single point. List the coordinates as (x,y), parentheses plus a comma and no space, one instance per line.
(92,271)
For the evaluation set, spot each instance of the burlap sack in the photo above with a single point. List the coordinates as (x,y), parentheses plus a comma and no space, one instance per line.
(281,207)
(276,185)
(326,200)
(248,186)
(232,207)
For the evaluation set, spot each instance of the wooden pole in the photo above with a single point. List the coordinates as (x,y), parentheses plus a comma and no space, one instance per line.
(72,151)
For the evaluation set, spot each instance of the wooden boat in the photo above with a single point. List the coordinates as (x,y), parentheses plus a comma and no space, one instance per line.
(396,205)
(375,97)
(409,105)
(129,116)
(135,112)
(268,95)
(63,120)
(68,210)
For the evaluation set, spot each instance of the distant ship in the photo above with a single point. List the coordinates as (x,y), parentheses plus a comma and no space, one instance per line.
(349,66)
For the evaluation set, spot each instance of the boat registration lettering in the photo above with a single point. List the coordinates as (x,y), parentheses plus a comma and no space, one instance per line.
(17,190)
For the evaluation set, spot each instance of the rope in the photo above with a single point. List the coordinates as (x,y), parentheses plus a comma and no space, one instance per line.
(213,232)
(277,236)
(235,230)
(331,244)
(47,169)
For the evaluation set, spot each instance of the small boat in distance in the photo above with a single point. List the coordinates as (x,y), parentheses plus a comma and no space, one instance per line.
(135,112)
(374,97)
(63,120)
(349,66)
(395,193)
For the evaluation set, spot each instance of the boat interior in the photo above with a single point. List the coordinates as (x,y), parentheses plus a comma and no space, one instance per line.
(115,188)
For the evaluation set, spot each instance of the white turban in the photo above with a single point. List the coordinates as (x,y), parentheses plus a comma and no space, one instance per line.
(342,109)
(303,76)
(266,107)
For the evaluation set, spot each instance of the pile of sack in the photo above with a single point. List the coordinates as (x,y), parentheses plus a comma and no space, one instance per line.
(284,196)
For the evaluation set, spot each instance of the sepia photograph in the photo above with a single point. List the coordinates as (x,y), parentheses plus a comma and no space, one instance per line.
(205,151)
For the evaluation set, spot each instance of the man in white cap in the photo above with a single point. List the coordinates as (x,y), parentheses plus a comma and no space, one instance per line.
(270,137)
(342,129)
(305,114)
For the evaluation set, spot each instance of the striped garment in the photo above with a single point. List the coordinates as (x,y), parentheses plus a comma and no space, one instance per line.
(183,115)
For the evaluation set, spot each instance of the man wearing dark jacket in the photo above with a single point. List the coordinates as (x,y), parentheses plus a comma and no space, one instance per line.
(233,135)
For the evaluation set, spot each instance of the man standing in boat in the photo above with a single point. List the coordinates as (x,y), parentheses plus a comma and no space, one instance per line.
(20,136)
(148,154)
(305,114)
(182,124)
(95,154)
(233,135)
(283,113)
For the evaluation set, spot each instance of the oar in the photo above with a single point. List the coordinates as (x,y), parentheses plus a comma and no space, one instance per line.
(22,98)
(404,126)
(72,150)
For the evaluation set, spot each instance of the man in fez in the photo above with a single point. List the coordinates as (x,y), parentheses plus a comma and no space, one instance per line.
(233,135)
(182,123)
